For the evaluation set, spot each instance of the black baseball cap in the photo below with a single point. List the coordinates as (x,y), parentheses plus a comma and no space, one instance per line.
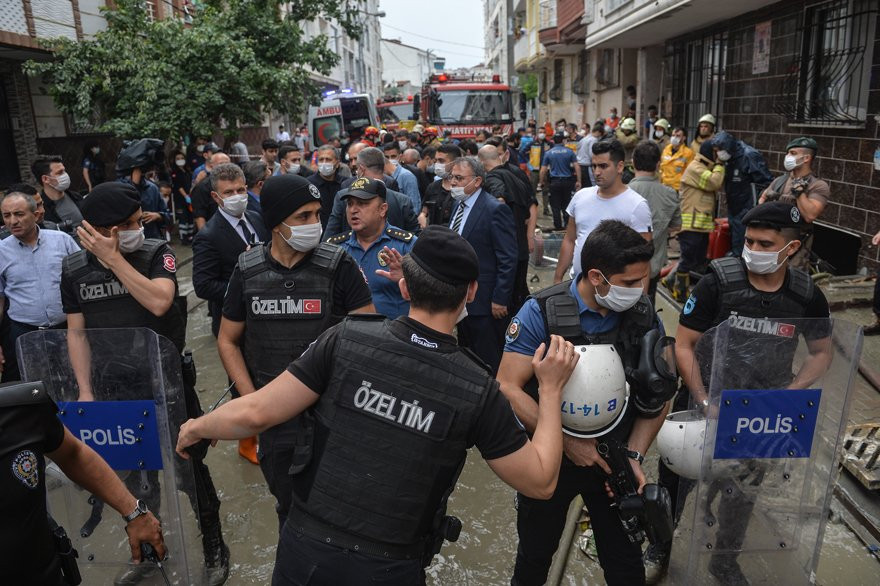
(366,188)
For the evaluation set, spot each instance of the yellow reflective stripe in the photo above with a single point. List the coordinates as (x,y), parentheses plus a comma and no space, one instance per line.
(704,179)
(697,220)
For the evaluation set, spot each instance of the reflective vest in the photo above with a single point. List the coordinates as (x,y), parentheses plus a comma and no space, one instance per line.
(757,319)
(392,429)
(106,303)
(285,311)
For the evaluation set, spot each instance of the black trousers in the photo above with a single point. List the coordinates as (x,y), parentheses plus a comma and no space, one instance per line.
(539,525)
(301,560)
(484,336)
(585,176)
(560,195)
(693,251)
(520,287)
(280,448)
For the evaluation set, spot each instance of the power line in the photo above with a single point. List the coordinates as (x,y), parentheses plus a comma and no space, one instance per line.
(433,39)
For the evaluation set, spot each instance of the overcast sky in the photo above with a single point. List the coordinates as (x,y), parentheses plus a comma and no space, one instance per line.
(456,22)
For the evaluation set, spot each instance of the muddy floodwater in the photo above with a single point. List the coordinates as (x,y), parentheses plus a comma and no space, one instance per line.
(485,552)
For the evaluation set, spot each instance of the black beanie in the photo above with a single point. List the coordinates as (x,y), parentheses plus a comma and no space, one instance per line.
(284,194)
(109,204)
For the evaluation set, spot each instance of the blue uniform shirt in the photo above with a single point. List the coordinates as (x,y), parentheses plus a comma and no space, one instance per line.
(560,160)
(386,294)
(526,331)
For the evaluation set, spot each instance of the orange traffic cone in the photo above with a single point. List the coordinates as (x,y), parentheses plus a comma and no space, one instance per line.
(247,449)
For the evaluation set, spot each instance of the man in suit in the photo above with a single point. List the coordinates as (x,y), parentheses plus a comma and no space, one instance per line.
(370,164)
(216,248)
(488,225)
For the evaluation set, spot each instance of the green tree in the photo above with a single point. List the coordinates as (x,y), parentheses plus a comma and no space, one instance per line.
(237,60)
(529,85)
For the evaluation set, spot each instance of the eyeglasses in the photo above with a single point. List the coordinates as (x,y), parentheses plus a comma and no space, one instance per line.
(459,178)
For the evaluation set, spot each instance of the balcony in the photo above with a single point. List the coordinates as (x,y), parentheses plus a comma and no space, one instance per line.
(562,29)
(521,52)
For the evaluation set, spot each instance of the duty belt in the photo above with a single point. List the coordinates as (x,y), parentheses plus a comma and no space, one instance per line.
(307,525)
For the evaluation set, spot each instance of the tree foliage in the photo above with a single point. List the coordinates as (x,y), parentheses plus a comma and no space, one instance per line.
(529,85)
(238,59)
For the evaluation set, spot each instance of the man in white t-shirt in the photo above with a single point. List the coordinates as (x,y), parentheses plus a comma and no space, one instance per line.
(609,199)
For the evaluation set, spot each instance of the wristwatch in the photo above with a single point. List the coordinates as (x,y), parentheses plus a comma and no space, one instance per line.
(635,455)
(139,509)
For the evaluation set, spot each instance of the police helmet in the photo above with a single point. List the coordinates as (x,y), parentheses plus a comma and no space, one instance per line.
(596,396)
(680,443)
(628,124)
(142,153)
(708,118)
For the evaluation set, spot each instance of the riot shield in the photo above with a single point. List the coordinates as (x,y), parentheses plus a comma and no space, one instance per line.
(120,391)
(779,396)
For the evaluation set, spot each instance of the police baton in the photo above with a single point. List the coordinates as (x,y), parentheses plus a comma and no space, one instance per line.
(200,449)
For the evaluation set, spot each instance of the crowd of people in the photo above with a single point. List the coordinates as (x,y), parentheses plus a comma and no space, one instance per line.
(371,308)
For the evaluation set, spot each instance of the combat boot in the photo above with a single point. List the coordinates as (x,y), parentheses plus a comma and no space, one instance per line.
(216,556)
(682,287)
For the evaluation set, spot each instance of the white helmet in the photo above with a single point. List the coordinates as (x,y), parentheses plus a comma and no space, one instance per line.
(680,442)
(595,397)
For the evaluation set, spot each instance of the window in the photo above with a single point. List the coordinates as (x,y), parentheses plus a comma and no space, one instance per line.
(608,69)
(580,85)
(697,67)
(558,74)
(542,95)
(828,82)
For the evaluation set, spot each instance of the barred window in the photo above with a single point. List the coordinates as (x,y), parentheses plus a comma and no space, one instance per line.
(696,72)
(828,83)
(581,83)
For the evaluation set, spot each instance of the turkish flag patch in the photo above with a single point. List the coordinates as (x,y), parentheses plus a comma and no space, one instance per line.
(311,306)
(169,263)
(786,330)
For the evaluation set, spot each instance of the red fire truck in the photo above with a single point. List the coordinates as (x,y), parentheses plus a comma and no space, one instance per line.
(464,106)
(394,114)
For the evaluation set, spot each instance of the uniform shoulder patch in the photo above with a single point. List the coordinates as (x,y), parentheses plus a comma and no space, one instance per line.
(26,468)
(340,238)
(513,330)
(399,234)
(689,305)
(169,262)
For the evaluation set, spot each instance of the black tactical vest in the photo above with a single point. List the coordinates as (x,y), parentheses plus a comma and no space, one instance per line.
(757,319)
(560,312)
(106,303)
(393,427)
(285,311)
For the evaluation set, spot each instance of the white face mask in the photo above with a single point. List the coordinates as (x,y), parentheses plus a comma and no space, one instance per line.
(326,169)
(402,144)
(659,133)
(541,136)
(96,150)
(62,182)
(180,162)
(200,148)
(130,240)
(304,238)
(293,168)
(235,204)
(675,140)
(463,313)
(458,193)
(619,298)
(723,156)
(791,162)
(440,169)
(763,263)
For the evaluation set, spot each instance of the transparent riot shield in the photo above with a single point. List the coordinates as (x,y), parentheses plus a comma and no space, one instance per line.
(120,391)
(779,396)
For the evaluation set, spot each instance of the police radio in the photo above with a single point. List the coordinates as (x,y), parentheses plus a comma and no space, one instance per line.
(649,513)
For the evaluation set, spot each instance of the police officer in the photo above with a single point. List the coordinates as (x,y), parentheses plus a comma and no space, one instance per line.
(31,432)
(122,280)
(376,245)
(760,284)
(134,162)
(281,296)
(801,187)
(391,441)
(560,171)
(605,304)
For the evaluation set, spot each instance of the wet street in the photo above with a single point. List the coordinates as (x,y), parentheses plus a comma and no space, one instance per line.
(485,552)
